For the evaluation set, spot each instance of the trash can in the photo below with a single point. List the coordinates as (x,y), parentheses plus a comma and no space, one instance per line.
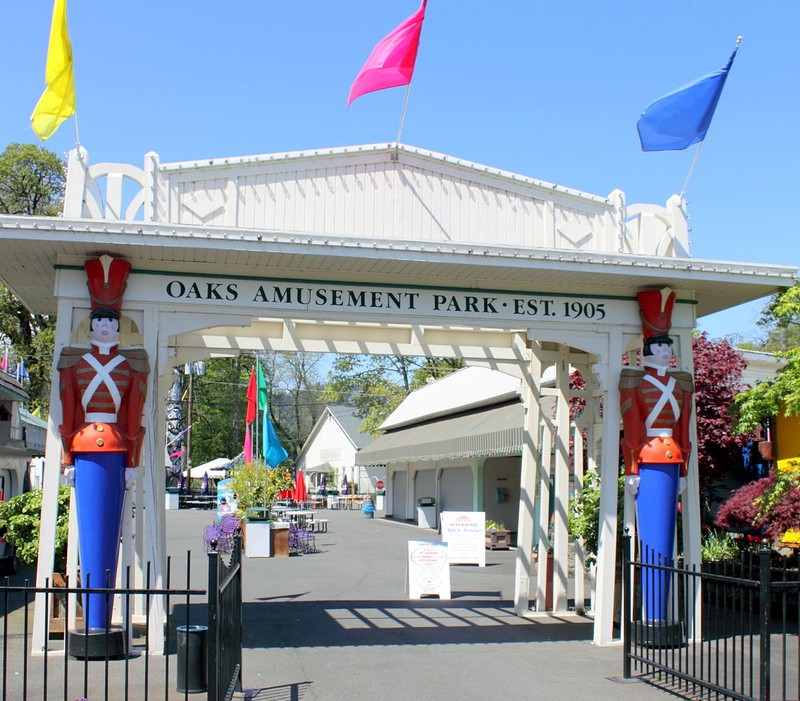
(368,509)
(426,512)
(192,654)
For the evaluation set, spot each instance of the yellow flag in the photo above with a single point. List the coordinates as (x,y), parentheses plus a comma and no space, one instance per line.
(57,102)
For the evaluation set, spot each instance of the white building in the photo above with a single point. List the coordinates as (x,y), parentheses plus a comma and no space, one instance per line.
(332,446)
(15,453)
(458,440)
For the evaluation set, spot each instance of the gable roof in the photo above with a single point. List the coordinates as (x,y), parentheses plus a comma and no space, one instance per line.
(386,213)
(462,390)
(346,417)
(348,422)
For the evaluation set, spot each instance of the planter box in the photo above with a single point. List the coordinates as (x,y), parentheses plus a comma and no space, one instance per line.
(257,538)
(498,540)
(279,538)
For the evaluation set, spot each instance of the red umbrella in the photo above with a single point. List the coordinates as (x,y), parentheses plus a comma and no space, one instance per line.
(299,492)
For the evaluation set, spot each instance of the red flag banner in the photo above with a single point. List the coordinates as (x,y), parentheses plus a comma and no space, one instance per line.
(252,399)
(391,62)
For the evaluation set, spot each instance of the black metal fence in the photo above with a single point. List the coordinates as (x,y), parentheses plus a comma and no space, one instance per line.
(731,629)
(168,619)
(225,624)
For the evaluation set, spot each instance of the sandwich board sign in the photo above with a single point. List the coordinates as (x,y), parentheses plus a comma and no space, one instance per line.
(465,535)
(428,569)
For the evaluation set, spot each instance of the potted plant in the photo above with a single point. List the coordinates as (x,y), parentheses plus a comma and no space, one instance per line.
(256,487)
(497,537)
(20,518)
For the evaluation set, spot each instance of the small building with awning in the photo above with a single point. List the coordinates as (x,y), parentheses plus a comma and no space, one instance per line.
(457,440)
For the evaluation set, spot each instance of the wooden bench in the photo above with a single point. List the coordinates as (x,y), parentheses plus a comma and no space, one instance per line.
(319,525)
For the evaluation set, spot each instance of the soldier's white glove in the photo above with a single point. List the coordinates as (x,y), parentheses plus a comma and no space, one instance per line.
(632,483)
(69,475)
(130,477)
(681,485)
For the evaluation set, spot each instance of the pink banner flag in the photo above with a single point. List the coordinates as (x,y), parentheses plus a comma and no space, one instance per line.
(391,62)
(252,400)
(4,362)
(248,445)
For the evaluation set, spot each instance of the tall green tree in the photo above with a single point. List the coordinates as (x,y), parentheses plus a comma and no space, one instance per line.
(219,402)
(32,182)
(217,408)
(781,319)
(296,395)
(377,384)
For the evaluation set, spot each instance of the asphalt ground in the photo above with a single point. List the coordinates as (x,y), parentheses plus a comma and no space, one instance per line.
(339,624)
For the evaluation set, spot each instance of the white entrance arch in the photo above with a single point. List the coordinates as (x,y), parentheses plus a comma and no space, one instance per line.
(372,249)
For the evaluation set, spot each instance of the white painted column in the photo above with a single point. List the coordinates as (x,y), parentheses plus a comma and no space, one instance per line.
(150,516)
(561,485)
(531,459)
(52,478)
(690,499)
(579,563)
(543,526)
(609,474)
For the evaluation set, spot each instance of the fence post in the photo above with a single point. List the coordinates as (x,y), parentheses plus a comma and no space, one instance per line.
(765,601)
(213,624)
(626,606)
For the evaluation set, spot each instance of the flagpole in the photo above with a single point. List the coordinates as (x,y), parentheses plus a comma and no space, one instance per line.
(691,170)
(403,113)
(77,137)
(700,145)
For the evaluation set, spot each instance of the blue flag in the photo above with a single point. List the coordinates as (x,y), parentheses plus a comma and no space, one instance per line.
(274,453)
(681,118)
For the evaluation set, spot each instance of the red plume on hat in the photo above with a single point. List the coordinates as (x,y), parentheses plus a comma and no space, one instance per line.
(655,308)
(106,278)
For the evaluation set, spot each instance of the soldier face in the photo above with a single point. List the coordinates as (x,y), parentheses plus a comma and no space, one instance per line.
(662,353)
(105,330)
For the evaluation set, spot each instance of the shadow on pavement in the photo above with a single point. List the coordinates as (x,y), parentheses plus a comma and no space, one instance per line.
(285,692)
(301,624)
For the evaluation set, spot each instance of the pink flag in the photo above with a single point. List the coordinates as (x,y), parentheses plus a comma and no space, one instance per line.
(4,362)
(391,62)
(252,400)
(248,445)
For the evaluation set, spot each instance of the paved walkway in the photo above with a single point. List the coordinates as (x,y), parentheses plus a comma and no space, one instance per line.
(338,624)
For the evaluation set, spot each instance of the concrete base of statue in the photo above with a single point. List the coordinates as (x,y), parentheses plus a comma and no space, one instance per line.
(98,643)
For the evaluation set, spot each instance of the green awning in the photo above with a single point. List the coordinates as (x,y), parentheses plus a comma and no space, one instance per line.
(491,431)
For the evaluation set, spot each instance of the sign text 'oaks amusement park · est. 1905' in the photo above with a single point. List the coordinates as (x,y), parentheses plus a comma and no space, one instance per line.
(281,296)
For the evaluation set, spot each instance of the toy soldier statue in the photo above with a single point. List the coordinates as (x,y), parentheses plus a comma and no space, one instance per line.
(656,405)
(102,398)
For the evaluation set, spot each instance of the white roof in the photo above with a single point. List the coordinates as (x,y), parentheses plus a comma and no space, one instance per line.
(214,468)
(761,366)
(464,389)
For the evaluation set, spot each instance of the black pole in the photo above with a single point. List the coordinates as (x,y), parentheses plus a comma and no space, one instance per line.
(626,607)
(765,591)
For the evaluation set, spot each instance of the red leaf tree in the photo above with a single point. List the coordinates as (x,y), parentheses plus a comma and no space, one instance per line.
(718,370)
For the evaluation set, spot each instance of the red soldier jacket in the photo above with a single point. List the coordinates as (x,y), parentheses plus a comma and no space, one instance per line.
(102,399)
(656,411)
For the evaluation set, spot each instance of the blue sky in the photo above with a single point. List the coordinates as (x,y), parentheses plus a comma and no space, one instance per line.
(551,90)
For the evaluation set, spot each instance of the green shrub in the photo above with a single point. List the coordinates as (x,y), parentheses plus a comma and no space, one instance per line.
(21,517)
(256,485)
(494,525)
(718,545)
(584,514)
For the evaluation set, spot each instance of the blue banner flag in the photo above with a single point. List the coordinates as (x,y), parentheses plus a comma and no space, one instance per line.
(274,452)
(681,118)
